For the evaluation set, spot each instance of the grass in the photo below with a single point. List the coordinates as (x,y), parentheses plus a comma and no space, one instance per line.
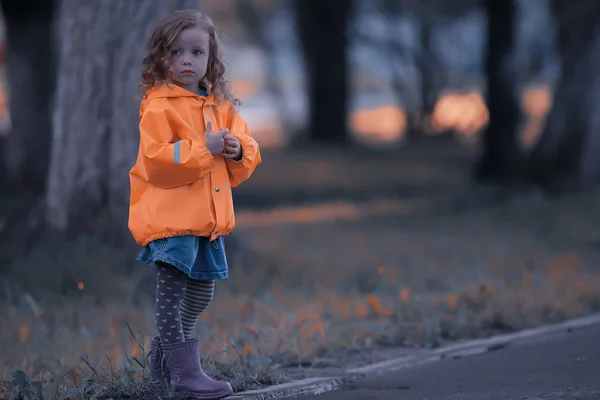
(315,287)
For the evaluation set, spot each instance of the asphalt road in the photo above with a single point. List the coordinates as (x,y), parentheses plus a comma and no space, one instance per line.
(562,366)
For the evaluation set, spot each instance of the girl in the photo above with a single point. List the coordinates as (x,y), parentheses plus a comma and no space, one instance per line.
(194,148)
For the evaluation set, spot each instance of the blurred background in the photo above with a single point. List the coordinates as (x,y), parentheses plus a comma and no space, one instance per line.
(435,162)
(374,74)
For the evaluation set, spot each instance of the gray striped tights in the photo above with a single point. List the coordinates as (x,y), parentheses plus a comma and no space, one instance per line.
(179,302)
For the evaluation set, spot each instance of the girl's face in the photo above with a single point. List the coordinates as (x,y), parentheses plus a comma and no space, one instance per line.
(189,54)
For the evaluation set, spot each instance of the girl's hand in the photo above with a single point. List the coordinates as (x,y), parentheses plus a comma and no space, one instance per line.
(215,141)
(232,148)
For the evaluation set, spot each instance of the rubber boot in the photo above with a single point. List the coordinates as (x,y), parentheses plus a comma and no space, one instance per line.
(159,374)
(183,363)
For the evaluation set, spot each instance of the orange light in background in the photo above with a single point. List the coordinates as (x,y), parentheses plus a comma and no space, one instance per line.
(381,125)
(536,102)
(80,286)
(463,112)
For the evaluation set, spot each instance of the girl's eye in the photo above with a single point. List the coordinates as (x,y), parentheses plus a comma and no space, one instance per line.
(197,52)
(175,52)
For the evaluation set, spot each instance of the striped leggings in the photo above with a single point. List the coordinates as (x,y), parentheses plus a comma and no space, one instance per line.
(179,302)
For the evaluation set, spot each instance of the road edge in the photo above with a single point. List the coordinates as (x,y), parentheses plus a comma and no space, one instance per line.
(319,385)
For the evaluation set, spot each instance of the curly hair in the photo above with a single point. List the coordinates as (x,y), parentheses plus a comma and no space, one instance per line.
(158,60)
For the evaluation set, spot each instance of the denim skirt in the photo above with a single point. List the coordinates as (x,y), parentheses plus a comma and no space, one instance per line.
(197,257)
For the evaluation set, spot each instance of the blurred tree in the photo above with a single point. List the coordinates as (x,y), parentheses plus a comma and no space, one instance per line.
(428,68)
(566,155)
(25,152)
(102,44)
(419,100)
(322,29)
(424,59)
(255,20)
(501,159)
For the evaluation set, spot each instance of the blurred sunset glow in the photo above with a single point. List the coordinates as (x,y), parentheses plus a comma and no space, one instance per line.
(536,102)
(381,125)
(464,113)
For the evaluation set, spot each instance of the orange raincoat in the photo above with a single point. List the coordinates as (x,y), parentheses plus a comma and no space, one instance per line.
(177,186)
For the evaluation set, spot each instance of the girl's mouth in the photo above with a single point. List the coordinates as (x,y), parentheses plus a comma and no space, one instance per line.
(187,72)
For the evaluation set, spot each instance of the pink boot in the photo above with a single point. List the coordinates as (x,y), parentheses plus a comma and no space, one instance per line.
(183,362)
(159,374)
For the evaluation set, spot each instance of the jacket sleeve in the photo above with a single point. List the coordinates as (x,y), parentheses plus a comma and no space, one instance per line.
(166,163)
(241,170)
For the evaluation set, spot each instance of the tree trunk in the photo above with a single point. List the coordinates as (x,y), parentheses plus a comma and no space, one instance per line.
(95,140)
(398,57)
(322,30)
(426,63)
(566,156)
(30,74)
(501,158)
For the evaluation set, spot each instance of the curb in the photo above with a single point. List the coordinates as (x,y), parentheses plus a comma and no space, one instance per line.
(303,387)
(317,386)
